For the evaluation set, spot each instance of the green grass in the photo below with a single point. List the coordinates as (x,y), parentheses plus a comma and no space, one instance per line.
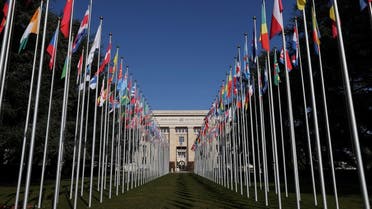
(177,191)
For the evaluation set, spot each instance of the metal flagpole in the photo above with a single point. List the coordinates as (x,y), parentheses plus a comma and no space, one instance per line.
(75,139)
(5,45)
(21,165)
(350,105)
(262,121)
(48,120)
(36,107)
(257,134)
(124,141)
(63,124)
(113,129)
(100,155)
(306,116)
(315,115)
(88,99)
(94,125)
(4,66)
(273,121)
(291,123)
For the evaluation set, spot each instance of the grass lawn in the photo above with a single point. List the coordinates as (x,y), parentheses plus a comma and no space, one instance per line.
(176,191)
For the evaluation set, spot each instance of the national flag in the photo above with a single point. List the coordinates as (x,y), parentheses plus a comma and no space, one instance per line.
(113,70)
(80,64)
(81,32)
(229,85)
(276,71)
(63,75)
(52,47)
(294,57)
(363,4)
(93,82)
(103,95)
(5,15)
(264,34)
(246,59)
(316,33)
(106,59)
(288,61)
(333,18)
(301,4)
(33,27)
(265,82)
(65,21)
(254,46)
(277,18)
(95,46)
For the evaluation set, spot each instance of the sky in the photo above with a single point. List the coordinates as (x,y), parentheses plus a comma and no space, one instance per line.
(178,51)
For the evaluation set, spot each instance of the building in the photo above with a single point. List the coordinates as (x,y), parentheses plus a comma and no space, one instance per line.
(181,128)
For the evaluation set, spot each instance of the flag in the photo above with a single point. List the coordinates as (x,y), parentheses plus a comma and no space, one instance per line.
(102,96)
(51,49)
(65,21)
(254,46)
(5,14)
(113,72)
(33,27)
(333,18)
(246,59)
(294,57)
(363,4)
(80,63)
(229,85)
(264,34)
(63,75)
(288,61)
(301,4)
(81,32)
(276,71)
(316,33)
(276,19)
(93,82)
(95,46)
(266,83)
(106,60)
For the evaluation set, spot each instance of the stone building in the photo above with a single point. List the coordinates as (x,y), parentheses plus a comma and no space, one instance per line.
(181,128)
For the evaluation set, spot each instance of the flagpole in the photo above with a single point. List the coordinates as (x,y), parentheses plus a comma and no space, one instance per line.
(75,137)
(350,105)
(306,116)
(21,166)
(257,135)
(291,122)
(64,111)
(315,115)
(94,121)
(36,107)
(100,144)
(5,45)
(4,66)
(113,128)
(88,99)
(262,120)
(48,120)
(272,115)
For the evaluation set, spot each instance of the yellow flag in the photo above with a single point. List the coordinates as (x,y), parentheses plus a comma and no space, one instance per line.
(301,4)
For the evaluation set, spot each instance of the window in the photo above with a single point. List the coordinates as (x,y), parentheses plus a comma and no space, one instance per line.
(181,140)
(180,130)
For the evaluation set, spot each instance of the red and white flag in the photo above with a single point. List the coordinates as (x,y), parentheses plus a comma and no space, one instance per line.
(277,18)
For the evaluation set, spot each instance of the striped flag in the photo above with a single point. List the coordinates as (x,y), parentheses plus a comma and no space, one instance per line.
(81,32)
(33,27)
(316,33)
(51,49)
(264,34)
(333,18)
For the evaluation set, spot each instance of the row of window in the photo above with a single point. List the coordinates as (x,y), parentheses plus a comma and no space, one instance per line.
(180,130)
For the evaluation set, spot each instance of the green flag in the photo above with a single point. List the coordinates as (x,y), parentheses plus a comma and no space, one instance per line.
(64,69)
(276,71)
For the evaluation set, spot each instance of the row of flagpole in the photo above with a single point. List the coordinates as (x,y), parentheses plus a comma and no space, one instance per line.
(138,151)
(224,147)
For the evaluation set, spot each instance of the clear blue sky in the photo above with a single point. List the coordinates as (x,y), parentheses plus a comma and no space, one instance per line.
(177,50)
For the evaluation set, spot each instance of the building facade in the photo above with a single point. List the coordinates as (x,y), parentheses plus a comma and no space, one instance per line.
(180,128)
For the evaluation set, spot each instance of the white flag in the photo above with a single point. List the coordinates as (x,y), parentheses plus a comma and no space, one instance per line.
(96,45)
